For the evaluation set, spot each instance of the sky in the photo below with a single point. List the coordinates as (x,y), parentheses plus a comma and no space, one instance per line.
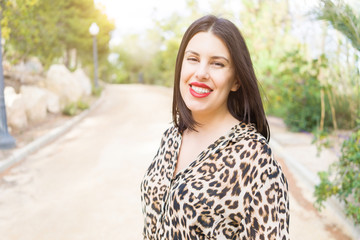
(135,16)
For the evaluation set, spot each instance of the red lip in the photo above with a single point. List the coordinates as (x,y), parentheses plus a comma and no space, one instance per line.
(199,95)
(202,85)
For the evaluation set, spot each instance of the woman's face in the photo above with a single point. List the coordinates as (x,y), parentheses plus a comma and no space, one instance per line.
(207,75)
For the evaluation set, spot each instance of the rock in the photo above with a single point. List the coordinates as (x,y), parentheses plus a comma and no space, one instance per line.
(34,99)
(6,66)
(29,72)
(31,66)
(63,83)
(84,81)
(15,109)
(52,102)
(28,78)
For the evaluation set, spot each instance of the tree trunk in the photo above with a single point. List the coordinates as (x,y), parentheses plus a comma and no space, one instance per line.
(332,108)
(322,116)
(321,80)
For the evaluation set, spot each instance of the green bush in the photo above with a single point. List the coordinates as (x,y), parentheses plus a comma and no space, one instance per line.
(81,105)
(346,110)
(70,109)
(342,180)
(74,108)
(96,91)
(298,89)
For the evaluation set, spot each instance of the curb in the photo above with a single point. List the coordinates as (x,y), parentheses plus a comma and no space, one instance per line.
(23,152)
(311,180)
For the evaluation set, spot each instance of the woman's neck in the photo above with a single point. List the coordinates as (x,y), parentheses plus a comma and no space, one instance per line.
(219,123)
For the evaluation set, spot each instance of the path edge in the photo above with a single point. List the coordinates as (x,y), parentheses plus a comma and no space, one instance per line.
(20,154)
(311,180)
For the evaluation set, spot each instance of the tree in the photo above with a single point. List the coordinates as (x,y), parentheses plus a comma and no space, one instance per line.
(50,29)
(32,31)
(154,54)
(342,18)
(266,28)
(342,179)
(74,20)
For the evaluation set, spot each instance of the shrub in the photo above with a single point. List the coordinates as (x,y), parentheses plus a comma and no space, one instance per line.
(298,88)
(70,109)
(82,105)
(342,179)
(96,91)
(73,108)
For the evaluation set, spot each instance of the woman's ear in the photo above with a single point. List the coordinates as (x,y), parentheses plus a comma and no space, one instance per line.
(236,85)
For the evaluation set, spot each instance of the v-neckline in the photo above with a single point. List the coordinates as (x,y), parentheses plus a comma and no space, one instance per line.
(202,154)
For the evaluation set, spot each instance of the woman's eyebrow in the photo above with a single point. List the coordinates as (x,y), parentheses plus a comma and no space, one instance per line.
(221,57)
(213,57)
(192,52)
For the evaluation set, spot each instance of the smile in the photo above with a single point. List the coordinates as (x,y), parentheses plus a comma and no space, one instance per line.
(199,90)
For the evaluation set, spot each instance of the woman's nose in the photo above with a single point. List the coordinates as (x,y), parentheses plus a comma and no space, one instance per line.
(202,72)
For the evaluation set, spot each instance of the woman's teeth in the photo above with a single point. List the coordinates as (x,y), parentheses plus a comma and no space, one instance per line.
(200,90)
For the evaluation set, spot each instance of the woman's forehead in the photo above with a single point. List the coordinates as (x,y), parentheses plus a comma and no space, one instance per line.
(207,43)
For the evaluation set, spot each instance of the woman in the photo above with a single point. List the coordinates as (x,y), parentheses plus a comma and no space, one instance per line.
(214,176)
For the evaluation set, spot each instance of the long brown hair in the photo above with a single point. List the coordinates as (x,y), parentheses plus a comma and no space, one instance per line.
(244,104)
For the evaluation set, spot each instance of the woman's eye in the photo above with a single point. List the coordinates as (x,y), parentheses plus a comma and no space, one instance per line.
(192,59)
(218,64)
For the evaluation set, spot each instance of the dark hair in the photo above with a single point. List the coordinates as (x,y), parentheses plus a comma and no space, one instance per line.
(244,104)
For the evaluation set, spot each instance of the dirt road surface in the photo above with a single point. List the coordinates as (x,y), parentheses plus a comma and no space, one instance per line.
(86,185)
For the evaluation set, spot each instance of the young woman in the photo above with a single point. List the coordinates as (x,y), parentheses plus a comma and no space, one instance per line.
(214,175)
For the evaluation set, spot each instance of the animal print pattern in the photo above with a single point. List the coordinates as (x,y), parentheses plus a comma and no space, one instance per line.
(234,189)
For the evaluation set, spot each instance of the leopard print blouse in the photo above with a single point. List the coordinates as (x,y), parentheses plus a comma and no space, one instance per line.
(234,189)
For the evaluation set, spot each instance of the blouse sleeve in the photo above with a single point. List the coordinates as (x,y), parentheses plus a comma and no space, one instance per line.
(267,216)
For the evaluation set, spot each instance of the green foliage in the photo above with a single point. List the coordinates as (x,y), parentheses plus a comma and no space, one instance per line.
(165,62)
(342,179)
(299,93)
(130,60)
(153,55)
(29,29)
(347,109)
(267,46)
(74,108)
(292,81)
(6,15)
(81,105)
(269,49)
(96,91)
(294,84)
(321,140)
(343,18)
(50,29)
(70,109)
(116,74)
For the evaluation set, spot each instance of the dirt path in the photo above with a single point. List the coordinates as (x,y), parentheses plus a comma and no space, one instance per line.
(85,185)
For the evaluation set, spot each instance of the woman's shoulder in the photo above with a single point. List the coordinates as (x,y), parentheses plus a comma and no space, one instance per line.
(170,131)
(247,132)
(170,135)
(253,148)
